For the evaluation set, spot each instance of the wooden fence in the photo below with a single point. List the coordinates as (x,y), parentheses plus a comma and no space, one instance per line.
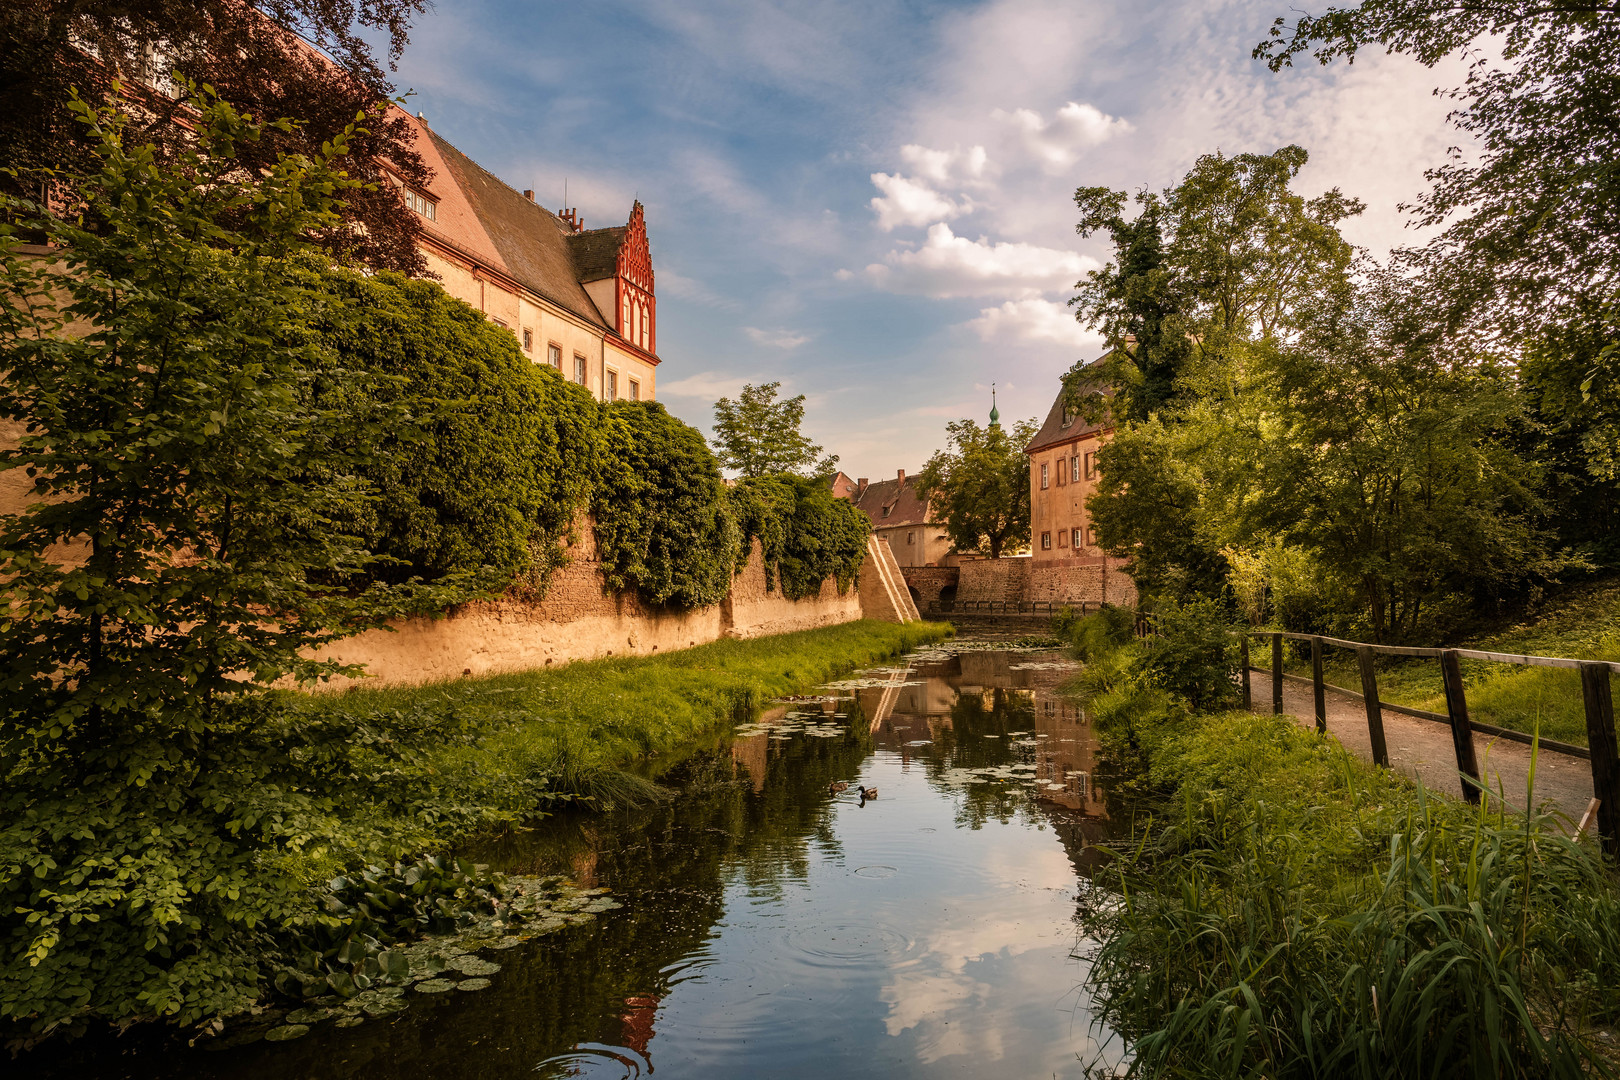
(1601,749)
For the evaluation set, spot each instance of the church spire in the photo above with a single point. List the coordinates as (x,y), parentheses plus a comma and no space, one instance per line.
(995,414)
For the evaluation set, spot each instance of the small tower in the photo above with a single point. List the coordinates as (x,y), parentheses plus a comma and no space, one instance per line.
(995,414)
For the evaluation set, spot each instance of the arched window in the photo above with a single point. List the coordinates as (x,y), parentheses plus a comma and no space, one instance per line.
(624,315)
(646,328)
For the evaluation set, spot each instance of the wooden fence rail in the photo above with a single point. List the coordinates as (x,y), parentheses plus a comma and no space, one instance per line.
(1602,749)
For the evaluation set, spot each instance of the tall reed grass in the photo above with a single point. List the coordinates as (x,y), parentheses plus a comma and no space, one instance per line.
(1286,910)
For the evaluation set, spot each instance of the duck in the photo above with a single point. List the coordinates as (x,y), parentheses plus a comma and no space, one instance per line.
(836,786)
(868,792)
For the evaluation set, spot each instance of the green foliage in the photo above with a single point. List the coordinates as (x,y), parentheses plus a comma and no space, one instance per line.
(1385,460)
(806,535)
(759,436)
(981,485)
(1149,505)
(168,573)
(1530,233)
(1294,912)
(663,525)
(1225,258)
(486,478)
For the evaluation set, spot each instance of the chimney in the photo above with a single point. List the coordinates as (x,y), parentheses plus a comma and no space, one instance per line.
(570,215)
(860,487)
(902,477)
(528,193)
(422,117)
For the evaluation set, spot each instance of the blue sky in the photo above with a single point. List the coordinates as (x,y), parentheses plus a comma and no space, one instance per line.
(872,202)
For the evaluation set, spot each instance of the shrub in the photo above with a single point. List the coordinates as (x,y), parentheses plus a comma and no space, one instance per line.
(663,524)
(806,535)
(497,454)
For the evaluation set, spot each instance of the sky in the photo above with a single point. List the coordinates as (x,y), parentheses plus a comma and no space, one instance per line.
(872,202)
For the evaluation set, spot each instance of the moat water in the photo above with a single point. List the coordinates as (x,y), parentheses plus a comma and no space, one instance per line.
(773,927)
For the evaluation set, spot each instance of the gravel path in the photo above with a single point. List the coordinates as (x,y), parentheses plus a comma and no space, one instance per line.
(1422,749)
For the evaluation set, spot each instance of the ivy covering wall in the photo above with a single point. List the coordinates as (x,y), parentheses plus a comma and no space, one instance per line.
(488,462)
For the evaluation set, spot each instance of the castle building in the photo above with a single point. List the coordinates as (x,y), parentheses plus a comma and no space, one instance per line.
(1063,473)
(581,300)
(900,515)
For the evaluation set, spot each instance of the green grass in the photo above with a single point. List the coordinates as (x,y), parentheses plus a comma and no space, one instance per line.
(1582,623)
(576,724)
(1286,910)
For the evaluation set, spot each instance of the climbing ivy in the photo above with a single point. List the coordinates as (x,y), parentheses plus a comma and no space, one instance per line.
(496,457)
(805,534)
(663,523)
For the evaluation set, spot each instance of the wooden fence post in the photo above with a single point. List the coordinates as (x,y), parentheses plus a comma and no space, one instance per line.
(1462,735)
(1248,696)
(1600,739)
(1375,708)
(1317,685)
(1276,674)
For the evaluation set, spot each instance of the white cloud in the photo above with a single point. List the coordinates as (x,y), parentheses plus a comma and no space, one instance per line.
(1057,143)
(1033,320)
(908,202)
(710,385)
(776,339)
(941,166)
(950,265)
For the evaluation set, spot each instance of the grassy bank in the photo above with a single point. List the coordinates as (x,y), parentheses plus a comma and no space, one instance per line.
(1283,909)
(186,896)
(1583,624)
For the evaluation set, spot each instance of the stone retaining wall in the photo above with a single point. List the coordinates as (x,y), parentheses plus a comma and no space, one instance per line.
(578,620)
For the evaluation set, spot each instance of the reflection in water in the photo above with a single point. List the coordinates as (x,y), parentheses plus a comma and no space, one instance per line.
(772,928)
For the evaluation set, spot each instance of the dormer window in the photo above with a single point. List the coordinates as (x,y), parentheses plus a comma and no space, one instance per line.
(423,205)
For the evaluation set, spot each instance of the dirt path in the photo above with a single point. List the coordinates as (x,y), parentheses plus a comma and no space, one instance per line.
(1422,749)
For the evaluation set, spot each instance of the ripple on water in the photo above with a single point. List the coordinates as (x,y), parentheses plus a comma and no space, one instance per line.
(596,1061)
(876,870)
(850,944)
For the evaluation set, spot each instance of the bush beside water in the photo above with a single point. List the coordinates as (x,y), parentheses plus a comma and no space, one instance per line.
(1284,909)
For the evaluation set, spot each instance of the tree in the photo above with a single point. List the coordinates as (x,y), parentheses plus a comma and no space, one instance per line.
(1211,277)
(254,53)
(981,484)
(1384,456)
(1529,253)
(757,435)
(1219,261)
(158,369)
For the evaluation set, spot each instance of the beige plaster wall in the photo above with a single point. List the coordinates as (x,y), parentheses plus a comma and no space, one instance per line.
(579,621)
(631,367)
(1060,508)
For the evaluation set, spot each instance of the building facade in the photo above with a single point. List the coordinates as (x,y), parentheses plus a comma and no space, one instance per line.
(581,300)
(1066,563)
(900,515)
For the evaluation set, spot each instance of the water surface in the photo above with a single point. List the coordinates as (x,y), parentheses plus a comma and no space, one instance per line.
(774,927)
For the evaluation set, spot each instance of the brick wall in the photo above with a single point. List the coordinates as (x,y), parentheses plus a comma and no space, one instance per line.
(1077,580)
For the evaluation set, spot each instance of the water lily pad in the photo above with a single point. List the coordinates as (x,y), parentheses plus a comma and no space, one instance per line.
(434,986)
(384,1007)
(507,943)
(350,1021)
(604,904)
(472,965)
(472,984)
(286,1032)
(307,1016)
